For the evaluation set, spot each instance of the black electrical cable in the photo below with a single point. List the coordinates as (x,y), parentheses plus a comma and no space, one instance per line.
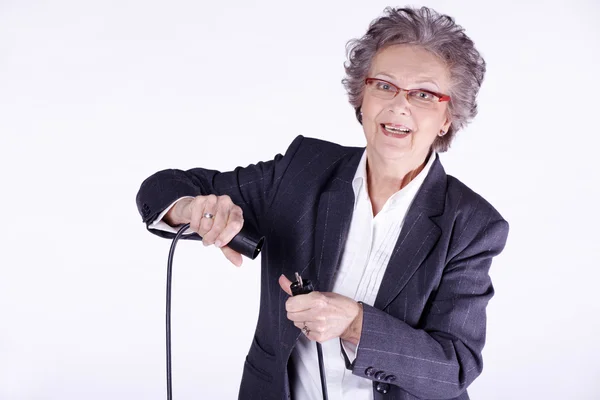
(168,309)
(248,245)
(305,286)
(322,371)
(246,242)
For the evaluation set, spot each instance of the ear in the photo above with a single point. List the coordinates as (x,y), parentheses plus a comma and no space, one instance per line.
(447,124)
(358,113)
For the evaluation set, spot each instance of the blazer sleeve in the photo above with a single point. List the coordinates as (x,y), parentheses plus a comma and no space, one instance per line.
(252,188)
(440,360)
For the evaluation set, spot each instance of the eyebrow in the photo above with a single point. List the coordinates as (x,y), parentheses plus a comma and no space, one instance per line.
(422,80)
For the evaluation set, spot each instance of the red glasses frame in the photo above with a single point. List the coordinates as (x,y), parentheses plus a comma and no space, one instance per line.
(440,96)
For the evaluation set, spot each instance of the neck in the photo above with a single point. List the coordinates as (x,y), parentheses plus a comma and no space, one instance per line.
(385,179)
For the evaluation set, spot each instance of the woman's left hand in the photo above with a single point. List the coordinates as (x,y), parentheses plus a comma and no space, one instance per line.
(326,315)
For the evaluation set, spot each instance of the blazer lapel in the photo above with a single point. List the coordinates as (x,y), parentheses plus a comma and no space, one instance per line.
(418,236)
(334,214)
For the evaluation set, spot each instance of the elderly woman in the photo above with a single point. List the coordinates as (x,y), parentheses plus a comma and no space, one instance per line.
(398,251)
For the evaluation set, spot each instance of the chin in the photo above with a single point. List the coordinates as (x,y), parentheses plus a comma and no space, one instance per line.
(392,152)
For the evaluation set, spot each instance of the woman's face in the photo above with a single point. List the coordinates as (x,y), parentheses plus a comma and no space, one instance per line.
(407,67)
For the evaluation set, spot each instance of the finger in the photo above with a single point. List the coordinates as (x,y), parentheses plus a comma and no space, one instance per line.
(310,315)
(313,301)
(311,326)
(300,325)
(196,207)
(285,283)
(234,225)
(233,256)
(304,327)
(315,334)
(298,303)
(218,223)
(210,206)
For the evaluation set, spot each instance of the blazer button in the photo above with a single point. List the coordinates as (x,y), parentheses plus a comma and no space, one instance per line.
(382,388)
(379,375)
(390,378)
(370,371)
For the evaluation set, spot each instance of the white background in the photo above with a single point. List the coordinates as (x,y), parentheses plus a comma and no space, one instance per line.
(97,95)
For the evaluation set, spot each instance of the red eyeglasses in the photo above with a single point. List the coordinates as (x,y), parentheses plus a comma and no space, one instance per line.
(417,97)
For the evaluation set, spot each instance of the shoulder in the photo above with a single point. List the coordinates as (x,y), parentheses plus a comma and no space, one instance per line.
(473,217)
(451,199)
(465,201)
(311,145)
(320,155)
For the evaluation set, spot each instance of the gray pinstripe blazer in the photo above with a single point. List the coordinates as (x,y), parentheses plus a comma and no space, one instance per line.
(424,335)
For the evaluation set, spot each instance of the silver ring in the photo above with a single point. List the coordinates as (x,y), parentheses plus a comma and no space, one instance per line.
(208,215)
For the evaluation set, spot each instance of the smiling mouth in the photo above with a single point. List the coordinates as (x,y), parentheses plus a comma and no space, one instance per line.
(395,131)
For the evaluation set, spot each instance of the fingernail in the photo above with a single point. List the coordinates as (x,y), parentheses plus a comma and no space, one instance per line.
(218,243)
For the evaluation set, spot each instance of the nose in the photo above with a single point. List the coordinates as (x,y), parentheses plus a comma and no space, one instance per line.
(400,103)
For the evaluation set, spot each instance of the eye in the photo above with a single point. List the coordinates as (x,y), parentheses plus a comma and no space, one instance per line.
(422,95)
(386,87)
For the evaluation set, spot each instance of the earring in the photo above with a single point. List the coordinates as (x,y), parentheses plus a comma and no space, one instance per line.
(442,133)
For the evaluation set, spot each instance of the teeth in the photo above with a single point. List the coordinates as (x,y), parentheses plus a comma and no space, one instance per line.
(391,128)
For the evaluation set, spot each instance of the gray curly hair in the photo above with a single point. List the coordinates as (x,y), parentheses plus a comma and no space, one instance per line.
(433,32)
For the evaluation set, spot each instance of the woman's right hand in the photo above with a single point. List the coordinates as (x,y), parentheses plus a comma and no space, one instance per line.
(227,222)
